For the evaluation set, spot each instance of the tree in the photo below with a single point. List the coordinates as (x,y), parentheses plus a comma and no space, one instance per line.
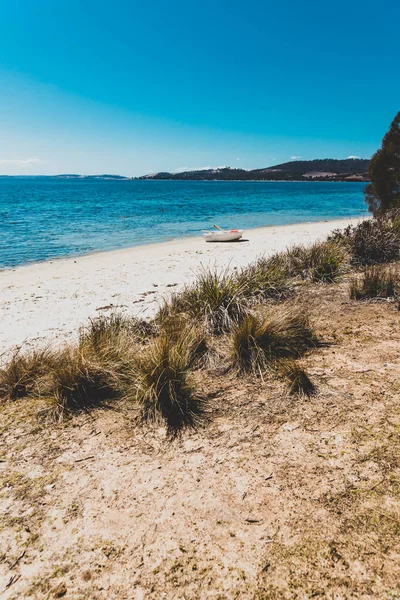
(383,193)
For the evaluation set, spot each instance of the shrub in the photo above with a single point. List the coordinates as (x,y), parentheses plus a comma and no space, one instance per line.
(375,282)
(375,241)
(383,191)
(257,343)
(164,389)
(297,378)
(216,299)
(23,374)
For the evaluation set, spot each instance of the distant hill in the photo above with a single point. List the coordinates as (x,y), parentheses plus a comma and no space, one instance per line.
(326,169)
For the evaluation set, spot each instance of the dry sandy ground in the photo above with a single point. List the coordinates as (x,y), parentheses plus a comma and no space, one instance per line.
(274,498)
(49,301)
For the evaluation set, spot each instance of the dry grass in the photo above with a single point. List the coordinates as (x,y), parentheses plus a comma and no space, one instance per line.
(115,330)
(80,382)
(163,387)
(24,373)
(266,279)
(259,342)
(217,300)
(189,338)
(298,381)
(375,282)
(320,262)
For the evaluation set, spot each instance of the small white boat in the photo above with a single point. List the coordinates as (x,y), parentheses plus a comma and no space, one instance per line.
(222,235)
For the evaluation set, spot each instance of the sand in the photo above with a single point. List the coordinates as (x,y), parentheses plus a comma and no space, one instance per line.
(46,303)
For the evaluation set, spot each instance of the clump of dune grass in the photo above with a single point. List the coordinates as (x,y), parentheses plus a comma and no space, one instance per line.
(216,299)
(112,329)
(323,261)
(296,377)
(266,279)
(375,282)
(189,338)
(80,382)
(114,340)
(164,387)
(258,342)
(24,372)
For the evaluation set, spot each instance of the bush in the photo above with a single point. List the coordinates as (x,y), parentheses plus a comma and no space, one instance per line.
(23,374)
(375,241)
(375,282)
(164,389)
(216,299)
(259,342)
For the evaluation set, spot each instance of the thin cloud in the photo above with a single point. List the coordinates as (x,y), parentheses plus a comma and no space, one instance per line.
(295,157)
(238,158)
(353,157)
(25,162)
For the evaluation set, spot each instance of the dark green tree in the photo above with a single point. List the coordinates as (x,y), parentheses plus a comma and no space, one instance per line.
(383,193)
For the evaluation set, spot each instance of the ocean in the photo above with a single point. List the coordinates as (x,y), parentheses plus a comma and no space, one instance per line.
(42,219)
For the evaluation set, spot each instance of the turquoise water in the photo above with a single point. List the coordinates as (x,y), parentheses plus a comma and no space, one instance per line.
(43,219)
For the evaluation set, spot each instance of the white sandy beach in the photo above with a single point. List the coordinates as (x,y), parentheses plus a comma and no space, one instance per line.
(47,302)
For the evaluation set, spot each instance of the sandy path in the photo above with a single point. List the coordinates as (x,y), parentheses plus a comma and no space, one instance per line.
(48,301)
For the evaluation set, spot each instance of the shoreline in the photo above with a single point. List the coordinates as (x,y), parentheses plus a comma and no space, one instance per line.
(46,302)
(197,236)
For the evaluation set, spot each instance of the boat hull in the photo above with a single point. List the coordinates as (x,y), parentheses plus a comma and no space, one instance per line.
(223,236)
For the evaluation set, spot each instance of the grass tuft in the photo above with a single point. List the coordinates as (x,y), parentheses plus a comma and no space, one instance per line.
(164,387)
(23,374)
(80,382)
(321,262)
(376,282)
(105,331)
(298,381)
(259,342)
(266,279)
(216,300)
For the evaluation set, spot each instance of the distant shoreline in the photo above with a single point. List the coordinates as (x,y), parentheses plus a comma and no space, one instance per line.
(47,302)
(93,178)
(173,240)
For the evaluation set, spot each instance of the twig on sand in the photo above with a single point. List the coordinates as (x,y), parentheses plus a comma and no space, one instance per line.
(12,580)
(82,459)
(17,561)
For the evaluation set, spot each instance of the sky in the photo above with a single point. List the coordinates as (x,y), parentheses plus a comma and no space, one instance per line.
(131,87)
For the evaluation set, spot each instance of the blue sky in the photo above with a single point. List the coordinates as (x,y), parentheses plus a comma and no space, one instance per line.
(132,87)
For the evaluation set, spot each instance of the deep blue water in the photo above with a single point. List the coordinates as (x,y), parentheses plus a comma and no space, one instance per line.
(42,219)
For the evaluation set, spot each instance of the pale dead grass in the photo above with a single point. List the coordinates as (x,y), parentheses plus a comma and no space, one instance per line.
(278,497)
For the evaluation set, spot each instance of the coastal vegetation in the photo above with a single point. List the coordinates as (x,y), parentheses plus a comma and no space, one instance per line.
(247,319)
(383,191)
(327,169)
